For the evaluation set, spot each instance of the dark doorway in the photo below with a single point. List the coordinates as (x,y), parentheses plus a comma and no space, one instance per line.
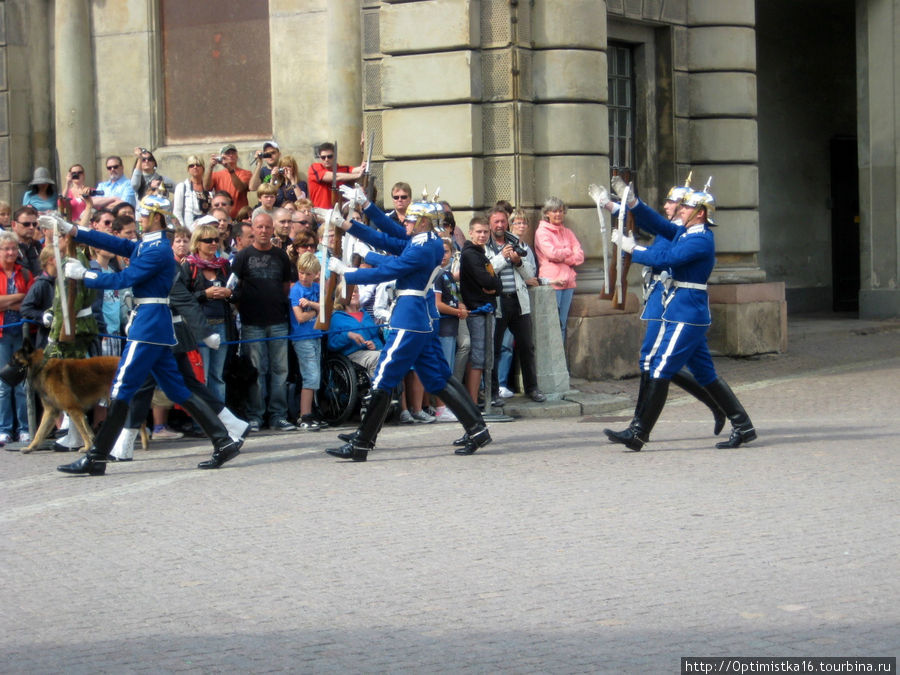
(844,224)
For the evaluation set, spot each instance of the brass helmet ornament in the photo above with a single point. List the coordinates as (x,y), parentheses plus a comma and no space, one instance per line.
(678,192)
(704,198)
(155,203)
(428,208)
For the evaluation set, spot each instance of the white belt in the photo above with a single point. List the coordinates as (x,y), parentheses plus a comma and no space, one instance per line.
(428,286)
(151,301)
(83,313)
(409,291)
(689,284)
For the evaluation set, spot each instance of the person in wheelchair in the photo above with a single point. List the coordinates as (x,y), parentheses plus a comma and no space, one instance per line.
(354,334)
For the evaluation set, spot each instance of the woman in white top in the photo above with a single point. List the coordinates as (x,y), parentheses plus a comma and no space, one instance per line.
(191,199)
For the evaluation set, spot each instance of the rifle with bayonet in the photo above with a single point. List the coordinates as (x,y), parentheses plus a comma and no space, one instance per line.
(326,291)
(67,288)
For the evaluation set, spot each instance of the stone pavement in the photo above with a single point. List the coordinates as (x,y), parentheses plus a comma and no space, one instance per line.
(548,551)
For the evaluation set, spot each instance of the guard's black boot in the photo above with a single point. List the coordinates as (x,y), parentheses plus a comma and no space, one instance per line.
(224,448)
(742,430)
(94,461)
(358,444)
(687,382)
(457,399)
(628,434)
(638,433)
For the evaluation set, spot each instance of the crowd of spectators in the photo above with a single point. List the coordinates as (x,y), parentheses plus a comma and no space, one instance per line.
(250,247)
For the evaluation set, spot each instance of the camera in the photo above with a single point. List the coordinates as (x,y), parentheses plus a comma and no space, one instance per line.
(219,158)
(76,174)
(277,171)
(95,193)
(516,244)
(266,155)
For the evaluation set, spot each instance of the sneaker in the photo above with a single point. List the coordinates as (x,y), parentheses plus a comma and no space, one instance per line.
(422,417)
(505,393)
(431,411)
(254,426)
(4,439)
(498,402)
(282,425)
(24,437)
(444,415)
(405,417)
(163,433)
(309,423)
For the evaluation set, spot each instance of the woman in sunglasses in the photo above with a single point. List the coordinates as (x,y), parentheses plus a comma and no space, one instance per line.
(207,275)
(191,200)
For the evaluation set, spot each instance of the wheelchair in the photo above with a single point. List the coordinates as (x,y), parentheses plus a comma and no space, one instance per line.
(344,389)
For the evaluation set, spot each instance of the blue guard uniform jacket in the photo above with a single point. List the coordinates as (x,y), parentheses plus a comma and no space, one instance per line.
(691,258)
(414,342)
(151,334)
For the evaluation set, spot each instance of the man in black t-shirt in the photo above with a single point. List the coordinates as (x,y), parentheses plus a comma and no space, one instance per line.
(264,277)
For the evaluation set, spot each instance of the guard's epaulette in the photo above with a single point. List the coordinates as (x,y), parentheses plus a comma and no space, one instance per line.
(419,239)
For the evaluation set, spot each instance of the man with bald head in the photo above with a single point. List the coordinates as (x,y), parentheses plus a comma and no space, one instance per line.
(264,277)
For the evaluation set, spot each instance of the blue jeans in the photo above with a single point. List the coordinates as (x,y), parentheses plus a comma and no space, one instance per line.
(10,398)
(448,345)
(271,359)
(504,363)
(214,363)
(563,302)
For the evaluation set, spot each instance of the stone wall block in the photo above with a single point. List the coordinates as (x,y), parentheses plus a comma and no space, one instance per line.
(570,74)
(123,113)
(550,360)
(121,17)
(401,26)
(748,328)
(569,24)
(681,93)
(460,179)
(291,111)
(436,130)
(568,176)
(722,48)
(620,337)
(734,186)
(571,127)
(731,94)
(674,11)
(425,79)
(718,13)
(724,140)
(736,231)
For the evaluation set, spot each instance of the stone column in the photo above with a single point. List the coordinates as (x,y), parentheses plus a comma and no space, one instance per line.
(76,130)
(720,139)
(344,78)
(878,80)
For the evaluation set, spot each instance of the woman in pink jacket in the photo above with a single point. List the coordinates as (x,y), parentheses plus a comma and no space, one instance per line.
(558,253)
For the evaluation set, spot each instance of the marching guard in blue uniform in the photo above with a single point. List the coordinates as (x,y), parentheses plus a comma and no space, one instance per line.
(414,262)
(686,316)
(151,336)
(654,279)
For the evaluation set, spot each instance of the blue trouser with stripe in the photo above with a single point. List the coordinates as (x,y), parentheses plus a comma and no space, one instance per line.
(681,345)
(420,351)
(140,359)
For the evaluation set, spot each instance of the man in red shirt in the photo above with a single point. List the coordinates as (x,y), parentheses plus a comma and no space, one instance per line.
(321,174)
(229,178)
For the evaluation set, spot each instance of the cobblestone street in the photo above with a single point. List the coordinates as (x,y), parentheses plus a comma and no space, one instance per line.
(548,551)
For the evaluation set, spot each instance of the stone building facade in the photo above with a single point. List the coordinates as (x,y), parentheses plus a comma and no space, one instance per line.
(788,104)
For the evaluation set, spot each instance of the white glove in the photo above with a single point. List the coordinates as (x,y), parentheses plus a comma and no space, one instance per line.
(47,318)
(47,222)
(335,219)
(213,341)
(599,194)
(74,269)
(626,242)
(337,266)
(618,185)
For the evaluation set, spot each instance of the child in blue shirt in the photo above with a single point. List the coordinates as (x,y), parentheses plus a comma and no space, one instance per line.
(306,339)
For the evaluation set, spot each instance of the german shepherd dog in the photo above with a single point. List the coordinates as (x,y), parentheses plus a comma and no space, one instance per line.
(66,385)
